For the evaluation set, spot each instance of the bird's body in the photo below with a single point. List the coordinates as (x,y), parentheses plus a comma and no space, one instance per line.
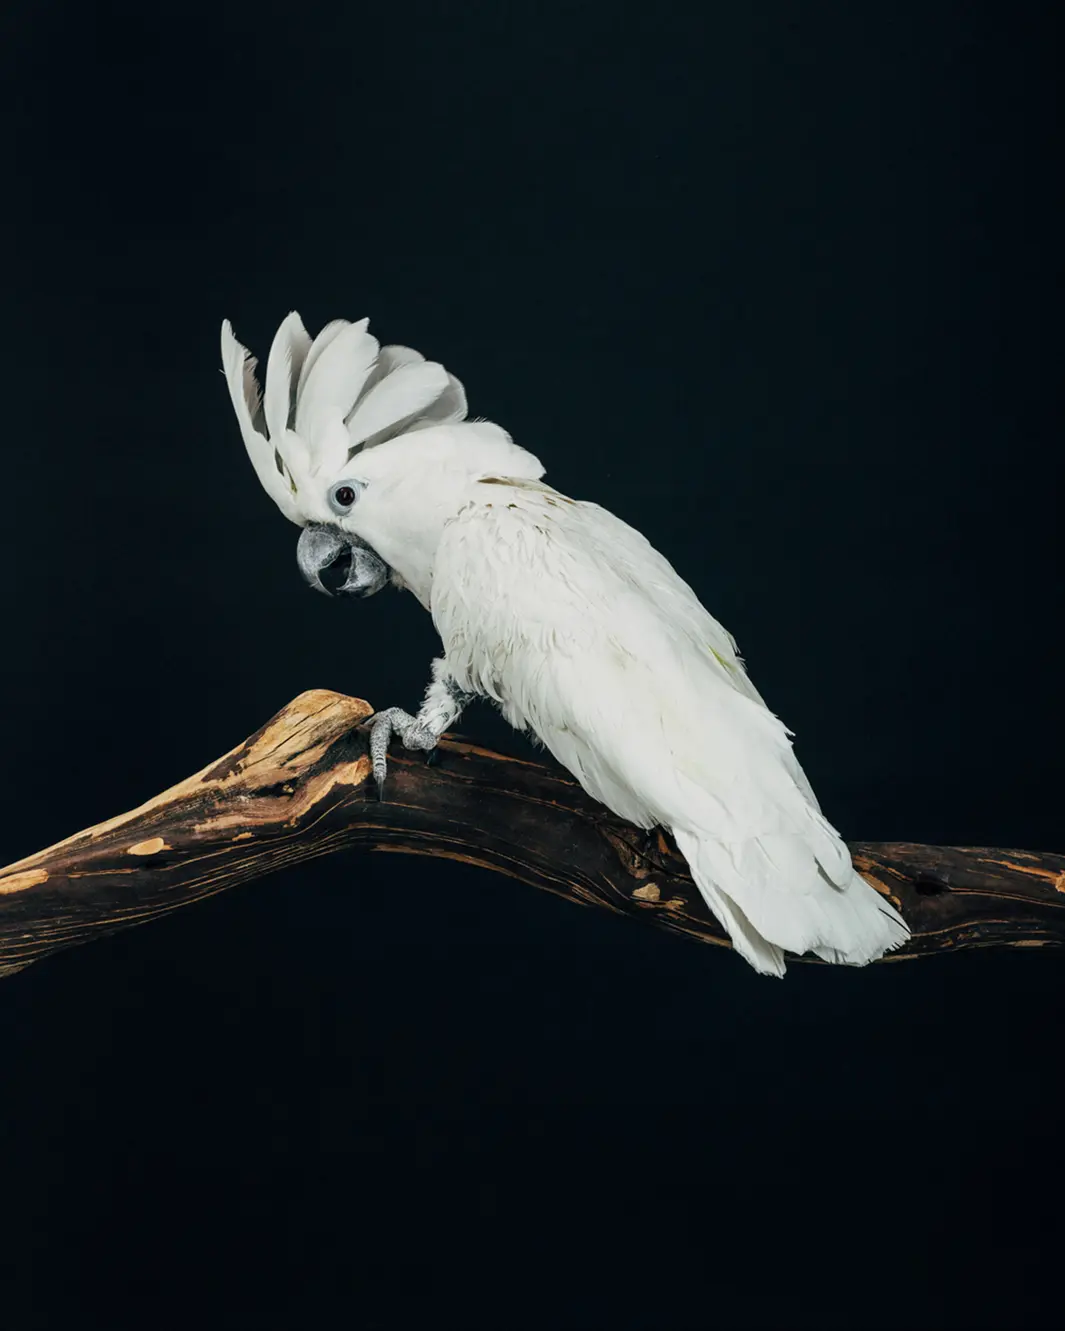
(585,635)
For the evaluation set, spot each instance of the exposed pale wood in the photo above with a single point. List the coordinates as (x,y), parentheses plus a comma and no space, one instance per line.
(299,788)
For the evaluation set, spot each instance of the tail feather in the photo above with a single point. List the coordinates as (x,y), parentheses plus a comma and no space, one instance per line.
(765,957)
(773,894)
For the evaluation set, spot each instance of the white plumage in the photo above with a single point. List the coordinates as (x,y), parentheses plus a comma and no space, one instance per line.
(569,620)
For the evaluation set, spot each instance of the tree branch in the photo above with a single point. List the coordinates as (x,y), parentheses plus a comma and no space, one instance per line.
(300,787)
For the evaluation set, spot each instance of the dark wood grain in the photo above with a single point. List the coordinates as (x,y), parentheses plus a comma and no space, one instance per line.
(300,787)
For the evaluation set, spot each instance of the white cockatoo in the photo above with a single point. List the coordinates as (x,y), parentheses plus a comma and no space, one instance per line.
(563,615)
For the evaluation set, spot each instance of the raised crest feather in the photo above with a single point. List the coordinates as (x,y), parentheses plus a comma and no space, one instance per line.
(402,395)
(326,399)
(332,387)
(328,333)
(239,369)
(287,354)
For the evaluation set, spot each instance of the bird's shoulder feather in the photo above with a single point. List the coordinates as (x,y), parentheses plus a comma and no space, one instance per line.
(579,566)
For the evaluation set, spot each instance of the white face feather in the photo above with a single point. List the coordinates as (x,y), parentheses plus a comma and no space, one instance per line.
(365,438)
(410,487)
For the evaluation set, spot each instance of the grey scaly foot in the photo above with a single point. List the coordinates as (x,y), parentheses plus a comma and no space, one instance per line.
(443,705)
(412,733)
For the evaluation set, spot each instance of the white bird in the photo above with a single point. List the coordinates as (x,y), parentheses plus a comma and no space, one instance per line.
(562,614)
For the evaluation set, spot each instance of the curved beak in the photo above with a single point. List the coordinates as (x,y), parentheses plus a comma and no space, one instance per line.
(321,547)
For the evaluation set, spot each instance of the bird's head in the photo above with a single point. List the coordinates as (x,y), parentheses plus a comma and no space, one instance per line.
(365,447)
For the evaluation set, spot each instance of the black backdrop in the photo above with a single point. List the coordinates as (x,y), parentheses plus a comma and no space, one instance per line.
(774,282)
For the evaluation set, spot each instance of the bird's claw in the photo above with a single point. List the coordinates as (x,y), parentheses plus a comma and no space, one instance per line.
(412,733)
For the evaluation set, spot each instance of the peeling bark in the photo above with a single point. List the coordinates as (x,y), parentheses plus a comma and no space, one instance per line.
(301,787)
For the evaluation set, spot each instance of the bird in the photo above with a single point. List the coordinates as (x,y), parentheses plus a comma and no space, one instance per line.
(561,614)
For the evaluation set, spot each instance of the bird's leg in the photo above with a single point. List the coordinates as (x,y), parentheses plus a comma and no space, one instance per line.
(442,706)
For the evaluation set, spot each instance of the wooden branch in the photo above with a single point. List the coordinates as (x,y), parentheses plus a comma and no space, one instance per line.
(299,788)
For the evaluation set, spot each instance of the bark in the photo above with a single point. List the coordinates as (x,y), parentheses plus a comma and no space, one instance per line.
(301,787)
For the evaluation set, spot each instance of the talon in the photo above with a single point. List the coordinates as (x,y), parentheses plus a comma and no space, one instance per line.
(380,734)
(412,733)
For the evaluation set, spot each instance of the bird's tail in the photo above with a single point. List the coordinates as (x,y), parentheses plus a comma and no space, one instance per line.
(776,893)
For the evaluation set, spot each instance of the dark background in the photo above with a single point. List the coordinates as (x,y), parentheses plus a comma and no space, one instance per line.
(775,282)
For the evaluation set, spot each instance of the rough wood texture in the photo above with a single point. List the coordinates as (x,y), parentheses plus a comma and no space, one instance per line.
(299,788)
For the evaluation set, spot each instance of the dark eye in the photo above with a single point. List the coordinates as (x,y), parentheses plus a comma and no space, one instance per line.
(343,495)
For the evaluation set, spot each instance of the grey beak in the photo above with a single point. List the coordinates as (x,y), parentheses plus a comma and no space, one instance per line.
(321,547)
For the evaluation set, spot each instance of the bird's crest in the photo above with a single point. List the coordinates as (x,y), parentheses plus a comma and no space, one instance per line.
(325,400)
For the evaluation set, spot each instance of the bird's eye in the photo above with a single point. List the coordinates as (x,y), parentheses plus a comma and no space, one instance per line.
(342,496)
